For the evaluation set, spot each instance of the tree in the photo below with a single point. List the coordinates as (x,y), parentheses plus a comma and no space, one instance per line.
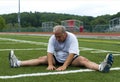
(2,23)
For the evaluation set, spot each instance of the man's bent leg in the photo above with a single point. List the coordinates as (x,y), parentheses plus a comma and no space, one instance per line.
(82,61)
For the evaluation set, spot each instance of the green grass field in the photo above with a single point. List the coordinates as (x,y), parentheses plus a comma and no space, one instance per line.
(31,46)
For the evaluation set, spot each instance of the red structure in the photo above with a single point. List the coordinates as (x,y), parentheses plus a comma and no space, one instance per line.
(73,25)
(81,29)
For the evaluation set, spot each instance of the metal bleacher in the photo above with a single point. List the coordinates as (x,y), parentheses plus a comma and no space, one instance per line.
(114,25)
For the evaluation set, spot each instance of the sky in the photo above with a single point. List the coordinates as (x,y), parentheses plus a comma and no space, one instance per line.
(75,7)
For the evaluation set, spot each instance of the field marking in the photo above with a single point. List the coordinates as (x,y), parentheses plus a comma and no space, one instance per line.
(115,53)
(103,41)
(92,50)
(103,51)
(24,49)
(45,44)
(25,41)
(8,42)
(51,73)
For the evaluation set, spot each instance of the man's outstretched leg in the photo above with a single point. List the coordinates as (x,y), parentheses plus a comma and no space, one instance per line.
(103,67)
(14,62)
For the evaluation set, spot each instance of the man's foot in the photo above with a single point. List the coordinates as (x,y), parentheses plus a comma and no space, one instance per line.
(13,59)
(107,63)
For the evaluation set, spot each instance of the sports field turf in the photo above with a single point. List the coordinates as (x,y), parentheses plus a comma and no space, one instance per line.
(33,46)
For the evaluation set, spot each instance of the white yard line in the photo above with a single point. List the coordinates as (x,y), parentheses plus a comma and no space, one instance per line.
(116,54)
(50,73)
(103,41)
(8,42)
(24,41)
(92,50)
(101,51)
(104,51)
(24,49)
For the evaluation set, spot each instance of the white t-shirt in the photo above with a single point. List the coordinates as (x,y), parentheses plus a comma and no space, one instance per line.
(62,50)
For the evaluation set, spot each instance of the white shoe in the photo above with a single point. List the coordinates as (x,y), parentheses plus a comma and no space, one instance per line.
(107,63)
(13,59)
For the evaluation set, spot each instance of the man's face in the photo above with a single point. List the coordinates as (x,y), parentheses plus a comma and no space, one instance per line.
(60,37)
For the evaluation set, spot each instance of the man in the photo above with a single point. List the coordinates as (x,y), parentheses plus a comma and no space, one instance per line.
(63,50)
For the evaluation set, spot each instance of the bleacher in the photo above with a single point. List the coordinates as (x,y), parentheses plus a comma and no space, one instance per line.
(115,29)
(114,25)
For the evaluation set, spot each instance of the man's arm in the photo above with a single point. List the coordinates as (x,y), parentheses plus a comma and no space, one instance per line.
(50,62)
(66,63)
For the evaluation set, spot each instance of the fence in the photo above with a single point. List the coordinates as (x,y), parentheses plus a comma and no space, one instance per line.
(87,28)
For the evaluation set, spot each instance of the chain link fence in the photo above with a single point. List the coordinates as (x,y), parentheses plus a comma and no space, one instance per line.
(86,28)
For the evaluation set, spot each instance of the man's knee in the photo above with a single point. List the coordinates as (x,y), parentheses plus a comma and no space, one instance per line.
(81,58)
(43,59)
(80,61)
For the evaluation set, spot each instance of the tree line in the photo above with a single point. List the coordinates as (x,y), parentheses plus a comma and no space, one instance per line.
(30,19)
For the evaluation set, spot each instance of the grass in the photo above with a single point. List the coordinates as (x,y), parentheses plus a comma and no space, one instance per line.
(23,54)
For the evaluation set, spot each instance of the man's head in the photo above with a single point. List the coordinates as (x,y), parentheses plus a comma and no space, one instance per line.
(60,33)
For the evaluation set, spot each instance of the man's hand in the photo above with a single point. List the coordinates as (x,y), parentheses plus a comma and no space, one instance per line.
(61,68)
(66,63)
(51,67)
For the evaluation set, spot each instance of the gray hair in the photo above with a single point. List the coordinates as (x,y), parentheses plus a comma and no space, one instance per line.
(59,28)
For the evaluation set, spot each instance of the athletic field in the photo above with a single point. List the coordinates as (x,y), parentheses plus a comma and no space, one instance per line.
(33,46)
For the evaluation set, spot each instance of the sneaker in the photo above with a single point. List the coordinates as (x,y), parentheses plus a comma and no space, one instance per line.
(13,59)
(107,63)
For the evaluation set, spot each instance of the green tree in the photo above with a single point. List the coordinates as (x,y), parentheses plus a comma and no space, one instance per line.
(2,23)
(101,20)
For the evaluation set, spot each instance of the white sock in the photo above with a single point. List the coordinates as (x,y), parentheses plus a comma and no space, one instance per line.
(99,67)
(19,63)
